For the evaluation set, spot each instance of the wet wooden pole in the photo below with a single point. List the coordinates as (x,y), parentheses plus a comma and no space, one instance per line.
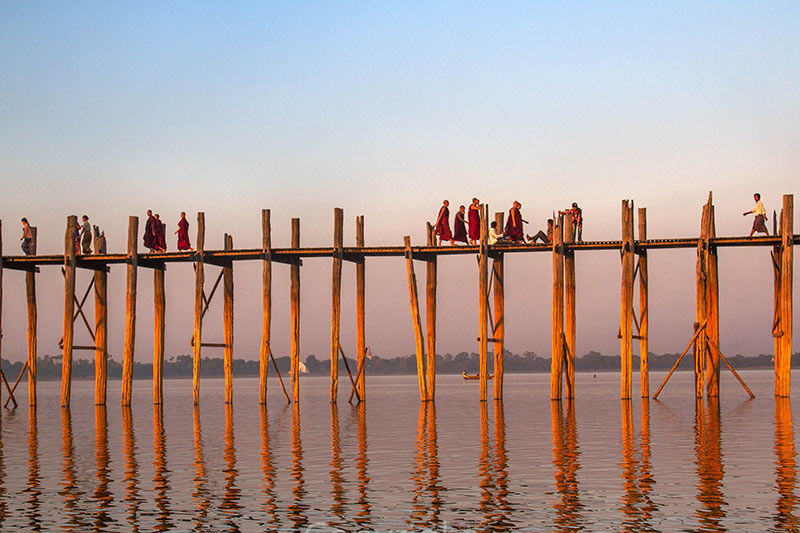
(100,324)
(483,307)
(294,274)
(416,319)
(701,306)
(266,296)
(227,316)
(159,328)
(336,299)
(69,309)
(430,317)
(557,358)
(569,312)
(626,304)
(712,305)
(30,296)
(783,355)
(130,311)
(499,335)
(361,341)
(644,369)
(1,297)
(199,283)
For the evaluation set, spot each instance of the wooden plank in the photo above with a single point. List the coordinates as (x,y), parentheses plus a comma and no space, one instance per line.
(626,304)
(783,357)
(69,309)
(266,297)
(644,367)
(227,316)
(483,303)
(430,317)
(557,357)
(199,283)
(130,311)
(336,299)
(294,273)
(100,325)
(416,319)
(499,326)
(712,304)
(569,312)
(159,329)
(361,341)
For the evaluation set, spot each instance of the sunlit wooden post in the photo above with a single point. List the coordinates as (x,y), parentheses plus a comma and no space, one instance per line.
(430,316)
(416,319)
(498,286)
(712,304)
(336,299)
(557,358)
(483,306)
(361,341)
(626,304)
(159,328)
(644,369)
(130,311)
(69,308)
(30,296)
(783,355)
(701,305)
(199,282)
(1,298)
(294,274)
(100,323)
(266,297)
(569,310)
(227,279)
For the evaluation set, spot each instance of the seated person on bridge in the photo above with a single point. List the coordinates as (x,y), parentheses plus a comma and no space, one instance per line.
(496,238)
(547,238)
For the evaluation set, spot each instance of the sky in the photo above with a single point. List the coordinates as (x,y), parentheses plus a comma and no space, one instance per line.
(385,109)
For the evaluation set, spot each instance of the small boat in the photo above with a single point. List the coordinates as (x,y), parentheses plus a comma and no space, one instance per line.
(473,376)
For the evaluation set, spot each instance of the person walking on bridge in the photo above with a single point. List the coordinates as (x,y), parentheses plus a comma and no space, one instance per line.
(443,224)
(513,231)
(86,236)
(474,221)
(27,237)
(761,216)
(183,233)
(459,226)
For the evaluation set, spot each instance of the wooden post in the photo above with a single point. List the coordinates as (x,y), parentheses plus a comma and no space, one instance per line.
(783,357)
(69,308)
(199,282)
(626,304)
(30,293)
(361,342)
(413,297)
(1,297)
(483,306)
(100,324)
(701,305)
(159,328)
(557,361)
(130,311)
(336,298)
(295,309)
(569,311)
(430,316)
(266,289)
(712,304)
(499,316)
(644,371)
(227,275)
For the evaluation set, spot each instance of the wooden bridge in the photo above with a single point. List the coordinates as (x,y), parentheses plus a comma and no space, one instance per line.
(633,252)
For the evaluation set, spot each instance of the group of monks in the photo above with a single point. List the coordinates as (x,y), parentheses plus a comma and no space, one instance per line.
(155,238)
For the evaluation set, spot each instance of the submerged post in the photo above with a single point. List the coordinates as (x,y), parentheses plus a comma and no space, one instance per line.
(159,328)
(69,308)
(644,369)
(266,293)
(483,306)
(30,296)
(783,355)
(336,298)
(557,360)
(100,324)
(227,277)
(430,316)
(499,325)
(294,273)
(199,282)
(626,304)
(569,311)
(130,311)
(712,304)
(414,299)
(361,341)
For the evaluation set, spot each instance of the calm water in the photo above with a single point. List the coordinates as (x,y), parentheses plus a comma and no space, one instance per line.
(595,464)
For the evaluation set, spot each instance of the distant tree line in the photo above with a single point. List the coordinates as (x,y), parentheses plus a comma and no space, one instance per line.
(49,367)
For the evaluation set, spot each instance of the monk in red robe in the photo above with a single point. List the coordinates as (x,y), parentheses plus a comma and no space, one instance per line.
(183,233)
(460,226)
(149,237)
(443,224)
(474,221)
(513,231)
(160,235)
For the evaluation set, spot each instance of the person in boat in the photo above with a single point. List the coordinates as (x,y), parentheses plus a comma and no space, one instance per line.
(761,216)
(513,231)
(149,237)
(183,233)
(546,238)
(442,228)
(460,226)
(27,237)
(494,236)
(575,214)
(474,221)
(86,236)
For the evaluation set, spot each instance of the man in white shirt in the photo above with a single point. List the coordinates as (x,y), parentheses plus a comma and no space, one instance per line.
(761,216)
(495,237)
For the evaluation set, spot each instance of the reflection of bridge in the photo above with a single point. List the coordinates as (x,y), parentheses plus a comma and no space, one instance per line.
(491,317)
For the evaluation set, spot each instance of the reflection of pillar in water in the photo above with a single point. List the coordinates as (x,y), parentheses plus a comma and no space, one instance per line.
(631,497)
(33,489)
(268,469)
(200,494)
(161,473)
(501,466)
(425,477)
(102,495)
(131,475)
(646,468)
(709,464)
(337,482)
(486,483)
(298,507)
(565,459)
(230,499)
(70,490)
(2,469)
(434,485)
(418,507)
(785,466)
(363,518)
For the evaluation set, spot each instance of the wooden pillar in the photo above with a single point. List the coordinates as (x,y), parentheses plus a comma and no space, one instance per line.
(100,324)
(294,272)
(336,298)
(159,328)
(415,317)
(199,282)
(130,310)
(430,316)
(569,311)
(227,279)
(483,305)
(499,316)
(701,306)
(361,341)
(30,293)
(1,296)
(783,356)
(266,289)
(557,358)
(644,372)
(69,308)
(626,304)
(712,304)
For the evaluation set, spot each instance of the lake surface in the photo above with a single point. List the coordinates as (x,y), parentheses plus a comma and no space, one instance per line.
(597,463)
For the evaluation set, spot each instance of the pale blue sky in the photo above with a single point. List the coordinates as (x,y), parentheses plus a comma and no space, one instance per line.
(384,109)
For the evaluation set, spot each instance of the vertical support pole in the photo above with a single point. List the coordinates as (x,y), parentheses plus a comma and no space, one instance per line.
(701,306)
(499,316)
(557,361)
(336,298)
(227,279)
(626,304)
(130,311)
(1,297)
(199,282)
(361,341)
(30,294)
(100,325)
(266,289)
(69,308)
(294,271)
(783,357)
(483,307)
(569,311)
(644,369)
(414,299)
(430,316)
(159,328)
(712,304)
